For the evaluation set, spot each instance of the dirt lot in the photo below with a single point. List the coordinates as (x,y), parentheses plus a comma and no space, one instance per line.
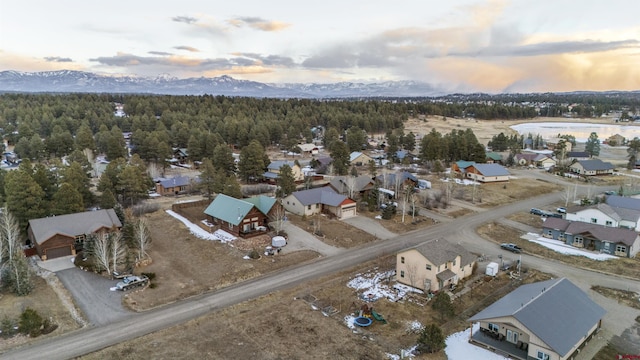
(628,298)
(285,325)
(396,225)
(334,232)
(186,265)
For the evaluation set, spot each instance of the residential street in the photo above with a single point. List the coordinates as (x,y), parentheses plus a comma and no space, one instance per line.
(458,230)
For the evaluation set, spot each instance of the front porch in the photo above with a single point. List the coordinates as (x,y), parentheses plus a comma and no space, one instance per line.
(491,341)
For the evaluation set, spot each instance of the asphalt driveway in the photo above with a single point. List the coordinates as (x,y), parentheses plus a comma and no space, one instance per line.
(91,293)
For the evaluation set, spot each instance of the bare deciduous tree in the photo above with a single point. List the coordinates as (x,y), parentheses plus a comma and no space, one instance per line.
(142,238)
(14,270)
(118,250)
(98,250)
(350,184)
(277,217)
(412,273)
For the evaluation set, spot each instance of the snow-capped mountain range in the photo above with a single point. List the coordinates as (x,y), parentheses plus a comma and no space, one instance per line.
(68,81)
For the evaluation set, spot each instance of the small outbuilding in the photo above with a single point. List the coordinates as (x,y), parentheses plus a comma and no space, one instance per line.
(492,269)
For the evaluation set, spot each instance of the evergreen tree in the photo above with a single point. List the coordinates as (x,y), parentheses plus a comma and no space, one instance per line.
(356,138)
(25,198)
(67,200)
(286,181)
(593,145)
(340,156)
(431,339)
(232,187)
(84,139)
(443,305)
(207,178)
(632,150)
(223,159)
(107,199)
(252,162)
(77,177)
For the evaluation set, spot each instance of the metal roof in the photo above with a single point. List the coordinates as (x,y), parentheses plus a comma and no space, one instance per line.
(277,164)
(263,203)
(323,195)
(176,181)
(556,311)
(339,183)
(73,224)
(595,164)
(491,169)
(228,209)
(623,202)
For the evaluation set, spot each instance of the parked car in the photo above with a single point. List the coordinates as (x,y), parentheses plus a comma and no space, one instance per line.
(535,211)
(512,247)
(609,192)
(562,210)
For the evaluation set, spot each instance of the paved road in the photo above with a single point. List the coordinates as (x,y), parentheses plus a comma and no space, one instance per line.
(83,342)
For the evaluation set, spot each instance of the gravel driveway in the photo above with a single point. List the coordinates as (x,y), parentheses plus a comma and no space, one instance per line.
(370,226)
(302,240)
(91,293)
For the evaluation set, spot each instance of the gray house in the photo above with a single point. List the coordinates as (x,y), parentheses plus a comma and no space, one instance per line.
(605,239)
(318,200)
(547,320)
(592,167)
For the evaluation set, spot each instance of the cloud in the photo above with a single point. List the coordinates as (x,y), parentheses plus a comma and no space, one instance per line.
(258,23)
(548,48)
(184,19)
(186,48)
(160,53)
(269,60)
(19,62)
(58,59)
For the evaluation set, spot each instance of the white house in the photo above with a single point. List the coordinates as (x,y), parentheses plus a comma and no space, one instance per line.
(607,215)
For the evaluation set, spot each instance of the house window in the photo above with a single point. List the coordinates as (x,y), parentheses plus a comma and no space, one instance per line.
(317,206)
(549,233)
(454,262)
(578,240)
(402,259)
(446,265)
(608,223)
(621,248)
(594,220)
(428,267)
(287,202)
(309,207)
(402,273)
(493,327)
(542,356)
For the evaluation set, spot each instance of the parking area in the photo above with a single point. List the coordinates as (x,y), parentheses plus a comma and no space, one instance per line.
(93,296)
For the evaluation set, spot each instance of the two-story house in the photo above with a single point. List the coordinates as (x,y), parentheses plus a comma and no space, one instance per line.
(273,170)
(434,266)
(607,215)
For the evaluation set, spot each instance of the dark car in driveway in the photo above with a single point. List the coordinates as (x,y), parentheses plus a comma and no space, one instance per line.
(511,247)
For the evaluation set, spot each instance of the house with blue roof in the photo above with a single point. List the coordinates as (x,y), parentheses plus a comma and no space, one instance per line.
(320,200)
(547,320)
(175,186)
(241,217)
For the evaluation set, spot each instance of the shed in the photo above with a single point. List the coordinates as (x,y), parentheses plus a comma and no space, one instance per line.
(492,269)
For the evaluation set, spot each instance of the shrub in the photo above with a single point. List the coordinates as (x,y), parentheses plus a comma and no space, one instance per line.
(145,208)
(30,323)
(254,254)
(150,275)
(7,327)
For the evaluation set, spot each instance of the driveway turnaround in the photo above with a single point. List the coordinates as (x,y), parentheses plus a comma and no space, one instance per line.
(92,294)
(370,226)
(302,240)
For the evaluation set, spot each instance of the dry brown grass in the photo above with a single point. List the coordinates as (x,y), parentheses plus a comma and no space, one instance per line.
(186,265)
(335,232)
(42,299)
(628,298)
(500,233)
(396,225)
(282,325)
(527,218)
(496,194)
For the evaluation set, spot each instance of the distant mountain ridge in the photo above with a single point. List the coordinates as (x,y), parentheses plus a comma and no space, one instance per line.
(70,81)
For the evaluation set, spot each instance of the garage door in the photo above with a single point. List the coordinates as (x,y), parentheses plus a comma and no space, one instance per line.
(347,213)
(57,252)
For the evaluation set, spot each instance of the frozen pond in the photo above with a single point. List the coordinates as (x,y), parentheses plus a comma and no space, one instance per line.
(580,131)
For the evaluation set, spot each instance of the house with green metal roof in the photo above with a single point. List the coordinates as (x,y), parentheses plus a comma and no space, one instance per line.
(241,217)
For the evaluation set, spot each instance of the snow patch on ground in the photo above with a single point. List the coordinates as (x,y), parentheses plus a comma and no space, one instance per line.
(218,235)
(465,182)
(559,246)
(458,347)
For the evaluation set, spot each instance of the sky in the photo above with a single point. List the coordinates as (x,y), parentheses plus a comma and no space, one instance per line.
(459,45)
